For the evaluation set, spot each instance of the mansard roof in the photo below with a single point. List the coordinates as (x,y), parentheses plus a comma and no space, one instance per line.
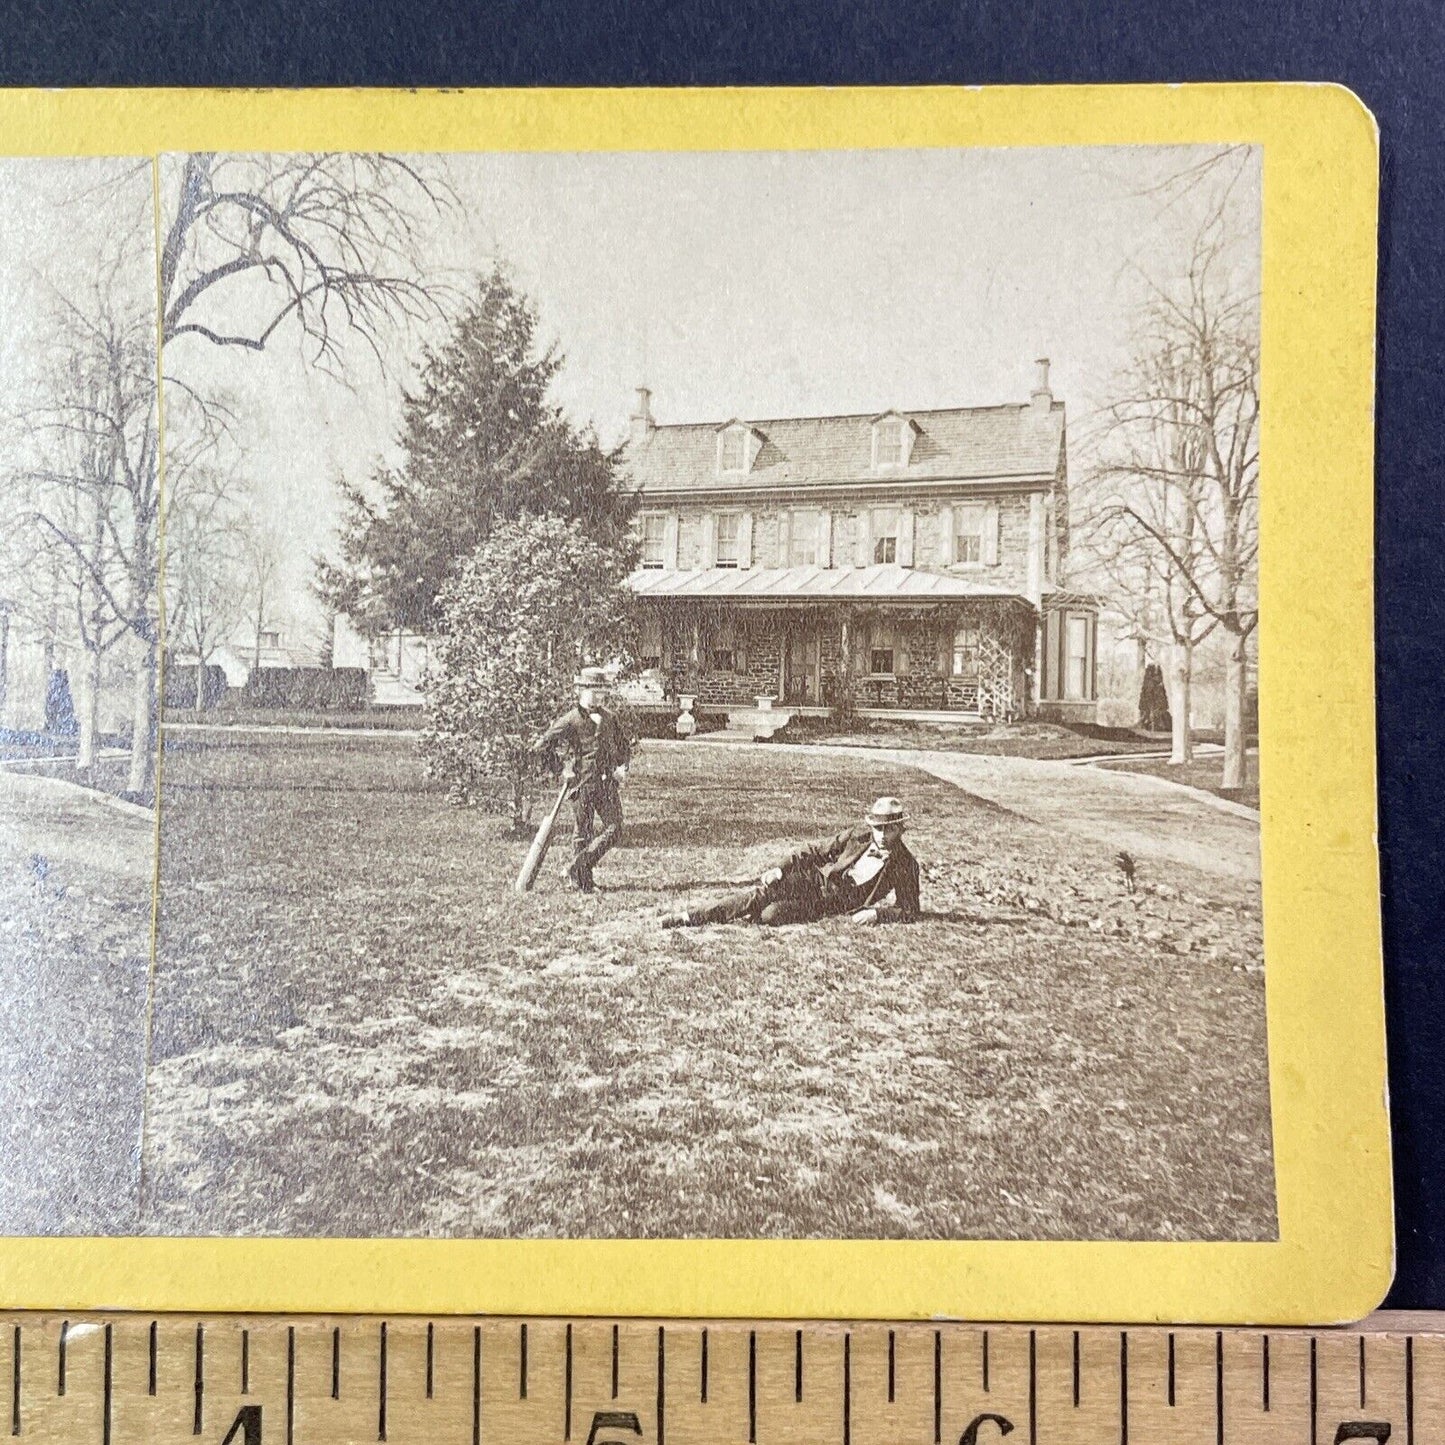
(1014,442)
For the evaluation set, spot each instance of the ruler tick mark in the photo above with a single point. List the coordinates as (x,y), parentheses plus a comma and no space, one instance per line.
(1266,1372)
(60,1370)
(1171,1367)
(1219,1387)
(336,1363)
(752,1387)
(522,1364)
(476,1385)
(1314,1395)
(797,1366)
(1033,1389)
(15,1383)
(847,1388)
(381,1392)
(151,1377)
(702,1368)
(1123,1387)
(985,1362)
(245,1362)
(661,1381)
(1362,1372)
(1076,1369)
(106,1402)
(200,1378)
(615,1352)
(430,1329)
(567,1389)
(937,1386)
(290,1383)
(890,1367)
(1409,1389)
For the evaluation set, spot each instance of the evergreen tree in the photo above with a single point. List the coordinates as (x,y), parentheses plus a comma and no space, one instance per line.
(481,443)
(1154,701)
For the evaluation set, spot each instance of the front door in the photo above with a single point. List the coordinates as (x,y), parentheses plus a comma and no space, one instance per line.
(803,682)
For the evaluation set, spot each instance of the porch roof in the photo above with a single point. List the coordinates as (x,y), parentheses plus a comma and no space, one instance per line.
(813,584)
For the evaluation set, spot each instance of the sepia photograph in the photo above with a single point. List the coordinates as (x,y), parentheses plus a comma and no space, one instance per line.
(637,695)
(79,662)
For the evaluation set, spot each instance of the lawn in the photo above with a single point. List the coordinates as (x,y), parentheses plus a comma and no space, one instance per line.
(361,1030)
(1205,772)
(75,940)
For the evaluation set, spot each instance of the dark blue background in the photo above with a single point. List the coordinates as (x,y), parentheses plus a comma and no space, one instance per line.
(1392,55)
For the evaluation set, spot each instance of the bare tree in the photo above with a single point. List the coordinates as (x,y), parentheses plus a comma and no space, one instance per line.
(1174,500)
(328,243)
(206,572)
(91,490)
(326,247)
(262,568)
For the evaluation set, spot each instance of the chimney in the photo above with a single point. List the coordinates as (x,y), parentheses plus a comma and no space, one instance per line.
(640,423)
(1041,398)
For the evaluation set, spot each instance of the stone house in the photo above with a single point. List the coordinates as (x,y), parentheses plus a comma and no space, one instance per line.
(912,562)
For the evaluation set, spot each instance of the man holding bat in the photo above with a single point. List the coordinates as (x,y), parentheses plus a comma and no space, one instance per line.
(596,756)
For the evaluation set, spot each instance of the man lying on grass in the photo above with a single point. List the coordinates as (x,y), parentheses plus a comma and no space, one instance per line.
(855,872)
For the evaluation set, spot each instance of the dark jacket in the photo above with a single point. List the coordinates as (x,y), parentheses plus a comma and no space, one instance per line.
(594,748)
(833,858)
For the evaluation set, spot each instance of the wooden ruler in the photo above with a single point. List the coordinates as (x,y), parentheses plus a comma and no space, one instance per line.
(318,1381)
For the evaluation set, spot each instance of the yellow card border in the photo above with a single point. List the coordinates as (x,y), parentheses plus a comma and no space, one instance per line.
(1321,898)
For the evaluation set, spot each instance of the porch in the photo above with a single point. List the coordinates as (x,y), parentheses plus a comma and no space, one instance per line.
(954,660)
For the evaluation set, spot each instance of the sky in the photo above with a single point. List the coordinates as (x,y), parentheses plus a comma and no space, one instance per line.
(732,284)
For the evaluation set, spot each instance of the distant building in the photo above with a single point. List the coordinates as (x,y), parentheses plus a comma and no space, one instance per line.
(912,561)
(270,649)
(395,661)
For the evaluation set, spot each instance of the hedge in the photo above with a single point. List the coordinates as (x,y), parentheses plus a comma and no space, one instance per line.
(323,689)
(181,685)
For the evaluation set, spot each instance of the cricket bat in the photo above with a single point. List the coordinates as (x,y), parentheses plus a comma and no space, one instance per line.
(538,851)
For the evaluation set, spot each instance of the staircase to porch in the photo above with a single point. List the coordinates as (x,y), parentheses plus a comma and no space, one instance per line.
(751,725)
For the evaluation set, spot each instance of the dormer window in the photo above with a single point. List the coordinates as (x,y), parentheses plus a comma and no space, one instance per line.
(733,449)
(890,442)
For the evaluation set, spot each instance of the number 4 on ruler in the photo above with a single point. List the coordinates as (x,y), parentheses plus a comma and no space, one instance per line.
(245,1428)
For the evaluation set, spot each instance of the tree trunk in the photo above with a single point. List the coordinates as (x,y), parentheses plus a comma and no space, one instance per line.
(88,721)
(1234,685)
(4,660)
(143,725)
(1181,680)
(519,799)
(200,683)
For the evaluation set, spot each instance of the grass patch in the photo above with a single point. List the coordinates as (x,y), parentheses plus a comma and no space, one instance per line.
(388,718)
(1202,773)
(361,1030)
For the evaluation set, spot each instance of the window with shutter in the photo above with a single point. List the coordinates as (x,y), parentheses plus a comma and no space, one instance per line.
(728,526)
(884,532)
(803,540)
(965,652)
(968,522)
(882,650)
(1076,666)
(654,536)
